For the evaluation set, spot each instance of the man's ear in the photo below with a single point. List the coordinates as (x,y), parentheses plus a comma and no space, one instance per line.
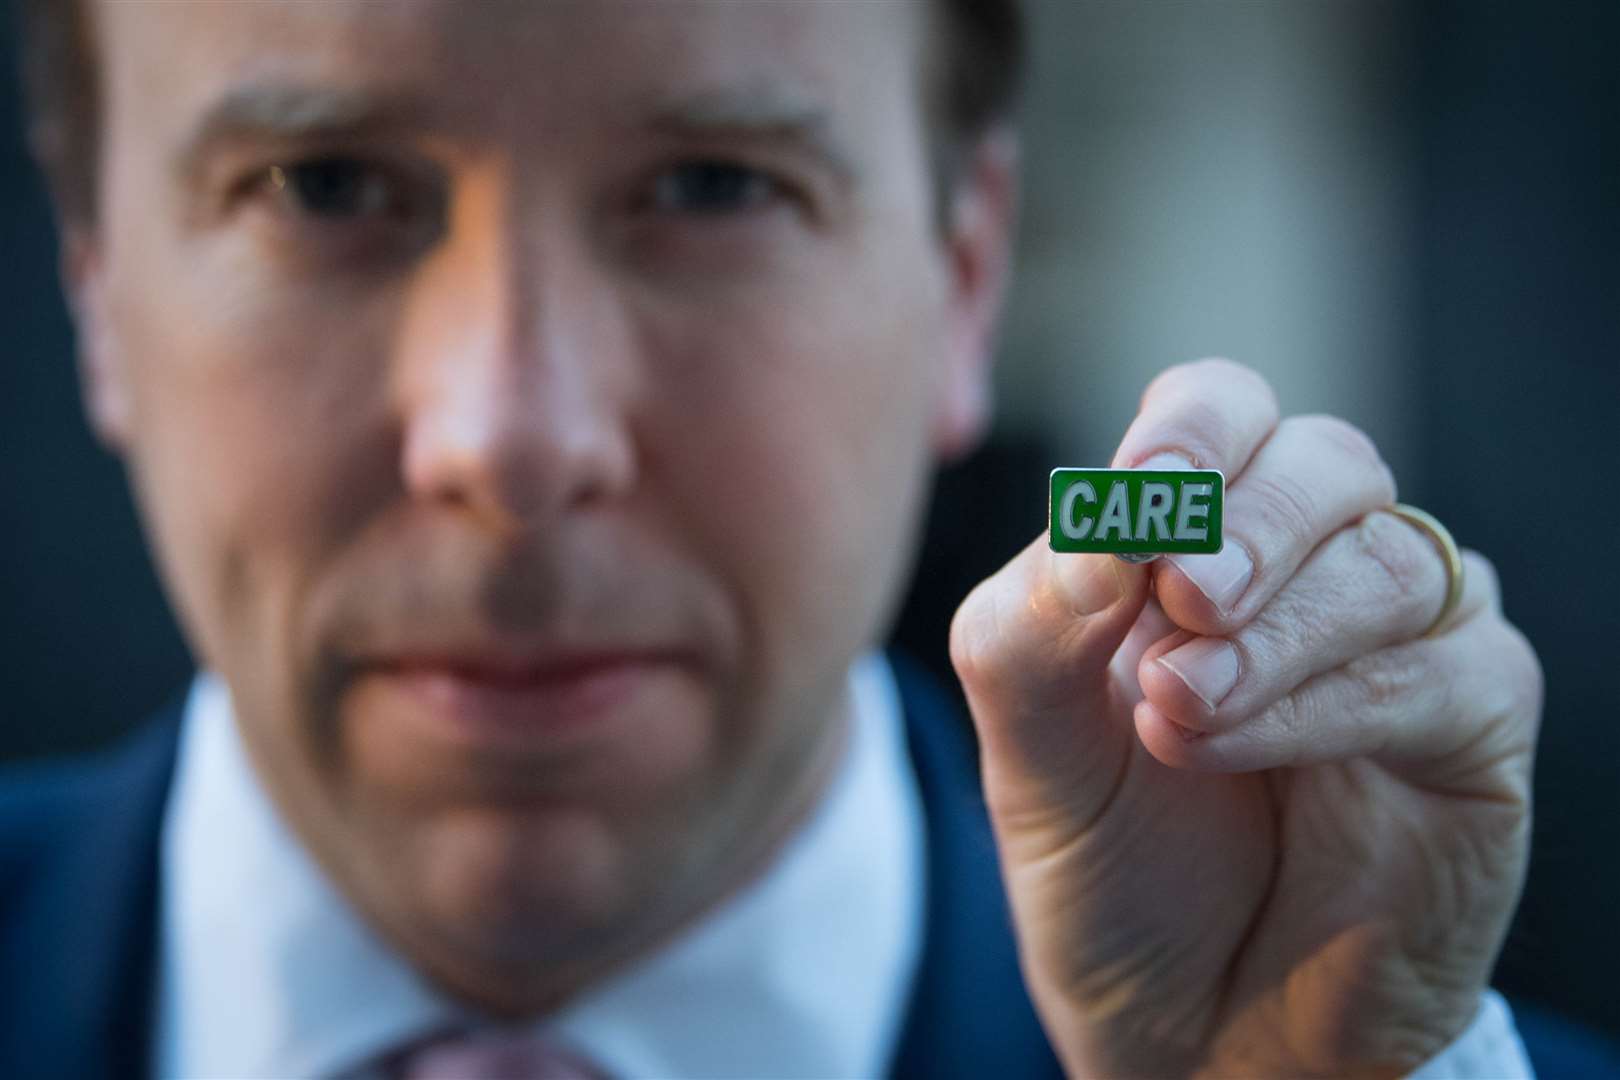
(980,225)
(103,382)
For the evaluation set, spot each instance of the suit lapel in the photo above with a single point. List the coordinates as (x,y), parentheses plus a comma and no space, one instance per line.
(81,944)
(970,1014)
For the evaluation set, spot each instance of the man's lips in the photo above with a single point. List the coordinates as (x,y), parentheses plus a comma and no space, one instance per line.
(515,701)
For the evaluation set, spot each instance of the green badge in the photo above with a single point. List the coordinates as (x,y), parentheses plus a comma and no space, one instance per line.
(1137,514)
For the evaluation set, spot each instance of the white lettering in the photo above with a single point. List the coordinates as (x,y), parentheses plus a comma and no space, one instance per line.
(1072,528)
(1194,505)
(1154,510)
(1116,515)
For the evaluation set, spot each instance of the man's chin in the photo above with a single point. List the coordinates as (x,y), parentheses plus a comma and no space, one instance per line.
(503,848)
(518,889)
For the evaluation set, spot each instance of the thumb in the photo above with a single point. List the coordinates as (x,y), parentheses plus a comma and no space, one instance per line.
(1032,645)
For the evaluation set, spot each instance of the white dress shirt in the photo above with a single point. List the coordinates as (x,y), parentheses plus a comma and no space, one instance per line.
(265,969)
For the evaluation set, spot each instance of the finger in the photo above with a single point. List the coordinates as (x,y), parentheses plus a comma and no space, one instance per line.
(1442,710)
(1032,645)
(1314,475)
(1373,584)
(1152,626)
(1211,414)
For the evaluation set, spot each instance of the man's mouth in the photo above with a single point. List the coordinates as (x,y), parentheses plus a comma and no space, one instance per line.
(494,699)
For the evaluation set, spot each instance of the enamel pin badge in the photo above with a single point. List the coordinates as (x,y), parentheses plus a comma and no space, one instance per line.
(1137,514)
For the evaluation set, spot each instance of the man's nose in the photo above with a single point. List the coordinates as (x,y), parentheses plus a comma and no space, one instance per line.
(516,377)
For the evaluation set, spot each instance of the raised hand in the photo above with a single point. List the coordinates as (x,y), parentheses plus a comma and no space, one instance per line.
(1257,813)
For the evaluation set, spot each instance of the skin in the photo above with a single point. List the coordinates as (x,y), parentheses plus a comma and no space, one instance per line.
(532,390)
(534,398)
(1310,876)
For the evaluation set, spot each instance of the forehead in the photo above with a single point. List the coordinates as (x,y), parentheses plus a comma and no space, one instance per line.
(557,63)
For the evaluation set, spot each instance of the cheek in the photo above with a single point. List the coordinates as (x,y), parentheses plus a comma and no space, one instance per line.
(259,442)
(797,441)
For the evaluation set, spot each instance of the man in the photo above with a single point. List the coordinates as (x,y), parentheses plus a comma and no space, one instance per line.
(530,405)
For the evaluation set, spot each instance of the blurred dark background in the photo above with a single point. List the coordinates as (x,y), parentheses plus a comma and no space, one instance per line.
(1406,213)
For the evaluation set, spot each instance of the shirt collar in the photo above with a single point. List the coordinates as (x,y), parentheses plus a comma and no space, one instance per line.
(266,969)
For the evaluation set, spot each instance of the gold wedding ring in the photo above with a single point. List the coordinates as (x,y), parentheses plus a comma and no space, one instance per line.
(1448,553)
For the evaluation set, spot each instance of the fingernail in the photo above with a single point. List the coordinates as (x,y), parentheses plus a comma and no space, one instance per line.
(1209,667)
(1090,582)
(1221,577)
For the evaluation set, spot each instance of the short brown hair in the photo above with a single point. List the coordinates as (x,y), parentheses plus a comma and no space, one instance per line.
(980,71)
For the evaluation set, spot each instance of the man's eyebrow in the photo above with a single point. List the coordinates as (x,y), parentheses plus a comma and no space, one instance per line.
(289,112)
(751,114)
(279,111)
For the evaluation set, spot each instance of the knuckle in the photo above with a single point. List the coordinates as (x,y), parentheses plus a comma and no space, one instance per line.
(1353,444)
(1519,671)
(1534,684)
(1406,566)
(1384,681)
(1497,683)
(1292,716)
(1344,436)
(1503,701)
(1286,505)
(1204,430)
(980,639)
(1481,576)
(1169,381)
(1230,371)
(1189,374)
(972,650)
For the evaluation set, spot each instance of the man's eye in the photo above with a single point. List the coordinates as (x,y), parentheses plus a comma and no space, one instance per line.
(355,207)
(334,187)
(712,187)
(338,188)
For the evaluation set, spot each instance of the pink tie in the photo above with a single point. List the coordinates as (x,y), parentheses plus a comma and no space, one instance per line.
(490,1056)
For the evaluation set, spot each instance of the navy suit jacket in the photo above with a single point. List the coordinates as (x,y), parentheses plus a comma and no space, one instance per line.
(79,847)
(79,871)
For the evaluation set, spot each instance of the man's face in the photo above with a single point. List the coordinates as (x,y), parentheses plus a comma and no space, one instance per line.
(530,404)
